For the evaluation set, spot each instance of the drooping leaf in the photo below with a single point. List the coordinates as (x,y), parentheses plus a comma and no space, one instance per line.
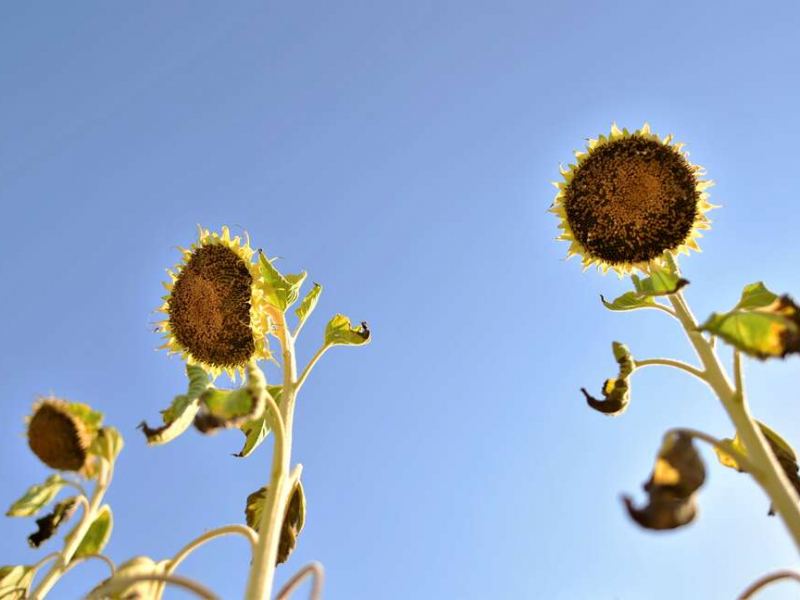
(756,295)
(108,443)
(340,332)
(660,283)
(257,430)
(97,535)
(48,525)
(780,447)
(221,409)
(37,497)
(281,291)
(308,304)
(616,391)
(629,301)
(15,581)
(181,413)
(293,519)
(678,474)
(140,565)
(772,331)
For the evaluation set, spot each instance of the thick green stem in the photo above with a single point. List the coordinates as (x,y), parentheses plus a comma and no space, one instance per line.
(769,474)
(262,571)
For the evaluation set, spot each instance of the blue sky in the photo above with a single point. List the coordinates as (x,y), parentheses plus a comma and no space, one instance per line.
(402,154)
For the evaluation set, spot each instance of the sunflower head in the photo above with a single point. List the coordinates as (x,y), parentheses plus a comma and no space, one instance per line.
(215,307)
(630,198)
(58,436)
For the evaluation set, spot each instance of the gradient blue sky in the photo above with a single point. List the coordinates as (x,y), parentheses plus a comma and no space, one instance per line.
(402,153)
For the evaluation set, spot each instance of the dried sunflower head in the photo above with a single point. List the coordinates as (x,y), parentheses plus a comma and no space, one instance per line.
(631,197)
(58,436)
(215,306)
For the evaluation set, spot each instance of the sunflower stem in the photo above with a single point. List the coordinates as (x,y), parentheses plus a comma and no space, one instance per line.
(668,362)
(262,571)
(769,474)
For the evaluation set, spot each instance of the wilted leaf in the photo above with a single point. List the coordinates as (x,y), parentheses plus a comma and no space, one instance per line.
(339,331)
(308,304)
(616,392)
(181,413)
(15,581)
(49,524)
(293,520)
(755,295)
(144,590)
(766,332)
(279,290)
(677,475)
(97,535)
(220,409)
(662,282)
(629,301)
(256,431)
(37,497)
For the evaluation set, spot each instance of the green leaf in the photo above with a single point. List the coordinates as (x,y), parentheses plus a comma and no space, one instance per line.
(754,296)
(308,304)
(48,525)
(678,474)
(180,415)
(767,332)
(228,404)
(616,391)
(107,443)
(221,409)
(340,332)
(92,419)
(37,497)
(293,519)
(97,535)
(15,581)
(279,290)
(140,565)
(257,430)
(660,283)
(629,301)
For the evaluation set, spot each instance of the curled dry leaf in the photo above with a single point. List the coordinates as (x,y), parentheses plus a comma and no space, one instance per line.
(616,391)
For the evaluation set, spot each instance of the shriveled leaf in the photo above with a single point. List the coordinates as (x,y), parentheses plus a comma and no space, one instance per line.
(15,581)
(97,535)
(181,413)
(293,519)
(48,525)
(281,291)
(772,331)
(678,474)
(308,304)
(756,295)
(221,409)
(629,301)
(257,430)
(616,391)
(140,565)
(37,497)
(108,443)
(339,331)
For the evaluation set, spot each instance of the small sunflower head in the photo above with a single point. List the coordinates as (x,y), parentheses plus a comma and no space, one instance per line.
(630,198)
(58,436)
(215,307)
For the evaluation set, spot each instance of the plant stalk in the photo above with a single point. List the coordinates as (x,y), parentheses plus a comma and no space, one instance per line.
(769,474)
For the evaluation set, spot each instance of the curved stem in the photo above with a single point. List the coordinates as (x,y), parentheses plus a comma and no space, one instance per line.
(120,583)
(766,580)
(76,485)
(302,379)
(101,557)
(666,309)
(668,362)
(315,571)
(769,474)
(741,460)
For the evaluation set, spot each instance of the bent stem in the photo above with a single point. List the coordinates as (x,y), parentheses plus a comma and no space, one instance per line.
(262,571)
(768,472)
(766,580)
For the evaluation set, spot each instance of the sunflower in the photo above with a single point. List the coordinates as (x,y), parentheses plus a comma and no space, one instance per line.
(58,436)
(630,198)
(215,306)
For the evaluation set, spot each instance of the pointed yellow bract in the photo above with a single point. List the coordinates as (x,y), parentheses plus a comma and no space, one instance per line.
(629,198)
(215,306)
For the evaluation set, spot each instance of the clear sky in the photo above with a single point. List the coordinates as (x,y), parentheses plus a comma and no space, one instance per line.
(401,153)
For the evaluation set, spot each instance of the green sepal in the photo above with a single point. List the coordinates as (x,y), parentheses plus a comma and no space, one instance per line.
(616,391)
(756,295)
(340,332)
(293,519)
(15,581)
(677,475)
(181,413)
(37,497)
(281,291)
(308,304)
(97,535)
(48,525)
(629,301)
(769,331)
(257,430)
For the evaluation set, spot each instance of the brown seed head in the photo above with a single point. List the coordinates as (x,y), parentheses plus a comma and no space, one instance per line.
(58,438)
